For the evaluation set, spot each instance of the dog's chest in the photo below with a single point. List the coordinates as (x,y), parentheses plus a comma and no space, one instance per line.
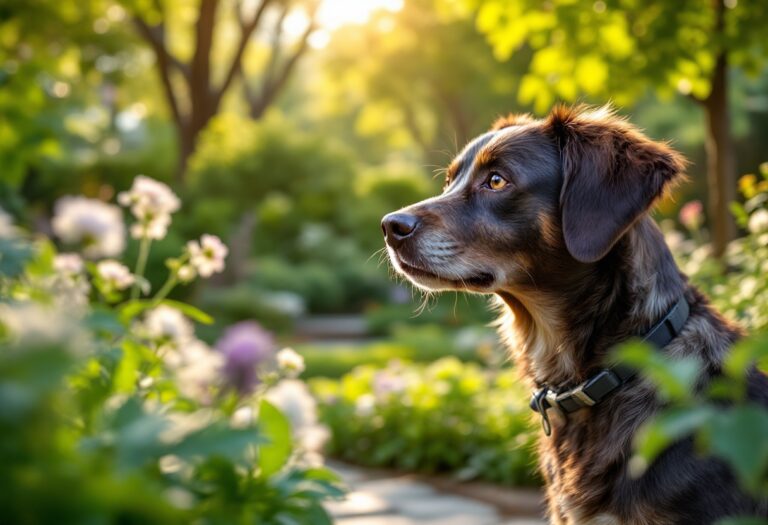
(580,468)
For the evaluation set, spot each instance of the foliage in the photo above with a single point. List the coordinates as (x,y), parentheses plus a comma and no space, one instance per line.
(737,286)
(431,93)
(448,310)
(617,48)
(446,416)
(723,421)
(115,396)
(419,344)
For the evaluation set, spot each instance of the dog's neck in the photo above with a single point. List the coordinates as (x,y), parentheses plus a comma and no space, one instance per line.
(564,323)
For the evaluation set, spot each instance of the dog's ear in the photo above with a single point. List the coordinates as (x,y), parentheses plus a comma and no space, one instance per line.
(612,174)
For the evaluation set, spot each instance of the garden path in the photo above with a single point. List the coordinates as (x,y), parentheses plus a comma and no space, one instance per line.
(380,498)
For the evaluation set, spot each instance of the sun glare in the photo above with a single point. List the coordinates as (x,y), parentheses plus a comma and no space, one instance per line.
(333,14)
(336,13)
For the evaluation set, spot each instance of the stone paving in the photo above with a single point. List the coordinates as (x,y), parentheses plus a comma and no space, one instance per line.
(400,500)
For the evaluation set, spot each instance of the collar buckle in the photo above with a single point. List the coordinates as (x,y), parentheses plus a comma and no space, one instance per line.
(598,387)
(582,396)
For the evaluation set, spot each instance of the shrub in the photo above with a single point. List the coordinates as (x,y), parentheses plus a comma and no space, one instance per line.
(112,410)
(448,416)
(421,344)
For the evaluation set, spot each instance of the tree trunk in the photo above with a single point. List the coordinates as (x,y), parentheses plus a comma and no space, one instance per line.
(186,139)
(721,159)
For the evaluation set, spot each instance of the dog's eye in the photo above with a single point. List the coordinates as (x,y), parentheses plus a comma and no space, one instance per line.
(496,181)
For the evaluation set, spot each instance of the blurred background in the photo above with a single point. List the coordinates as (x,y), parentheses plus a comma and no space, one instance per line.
(289,128)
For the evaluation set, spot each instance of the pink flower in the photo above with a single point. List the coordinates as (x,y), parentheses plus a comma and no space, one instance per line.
(692,215)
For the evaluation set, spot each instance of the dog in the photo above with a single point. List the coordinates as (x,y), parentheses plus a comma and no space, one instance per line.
(552,217)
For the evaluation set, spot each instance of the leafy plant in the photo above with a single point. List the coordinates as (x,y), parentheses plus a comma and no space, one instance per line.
(111,410)
(448,416)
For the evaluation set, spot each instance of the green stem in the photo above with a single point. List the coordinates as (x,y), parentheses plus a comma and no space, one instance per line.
(141,265)
(166,289)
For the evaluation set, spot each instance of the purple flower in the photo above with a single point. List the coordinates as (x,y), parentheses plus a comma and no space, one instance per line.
(244,345)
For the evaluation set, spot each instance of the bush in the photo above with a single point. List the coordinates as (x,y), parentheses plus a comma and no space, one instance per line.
(448,310)
(448,416)
(112,410)
(286,176)
(420,344)
(737,285)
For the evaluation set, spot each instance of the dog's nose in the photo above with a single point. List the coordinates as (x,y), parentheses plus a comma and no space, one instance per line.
(398,227)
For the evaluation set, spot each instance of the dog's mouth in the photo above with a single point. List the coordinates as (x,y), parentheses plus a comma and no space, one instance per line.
(480,280)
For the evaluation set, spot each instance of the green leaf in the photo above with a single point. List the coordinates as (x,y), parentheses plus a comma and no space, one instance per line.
(277,429)
(134,434)
(738,435)
(42,263)
(132,309)
(127,372)
(14,254)
(189,310)
(744,354)
(738,212)
(673,377)
(668,427)
(217,440)
(105,322)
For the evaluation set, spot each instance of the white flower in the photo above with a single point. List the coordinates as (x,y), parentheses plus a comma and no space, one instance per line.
(149,197)
(242,417)
(68,285)
(152,203)
(94,224)
(7,229)
(293,399)
(758,221)
(197,369)
(115,275)
(207,256)
(68,264)
(365,405)
(31,324)
(167,326)
(186,273)
(151,228)
(290,362)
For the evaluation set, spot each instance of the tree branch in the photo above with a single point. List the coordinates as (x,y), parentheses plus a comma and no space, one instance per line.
(155,37)
(246,30)
(275,82)
(201,59)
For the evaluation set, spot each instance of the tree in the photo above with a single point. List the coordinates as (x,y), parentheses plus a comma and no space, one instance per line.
(617,49)
(191,89)
(46,74)
(426,78)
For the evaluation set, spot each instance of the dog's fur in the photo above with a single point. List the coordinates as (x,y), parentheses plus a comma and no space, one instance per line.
(570,251)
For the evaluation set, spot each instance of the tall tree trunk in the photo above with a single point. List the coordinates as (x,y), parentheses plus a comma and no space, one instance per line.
(721,159)
(187,138)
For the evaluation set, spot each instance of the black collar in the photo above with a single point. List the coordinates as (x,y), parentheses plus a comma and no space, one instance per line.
(605,382)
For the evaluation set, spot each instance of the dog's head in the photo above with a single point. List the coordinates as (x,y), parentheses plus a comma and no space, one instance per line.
(530,194)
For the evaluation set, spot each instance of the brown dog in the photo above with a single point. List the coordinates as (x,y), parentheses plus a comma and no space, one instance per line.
(552,216)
